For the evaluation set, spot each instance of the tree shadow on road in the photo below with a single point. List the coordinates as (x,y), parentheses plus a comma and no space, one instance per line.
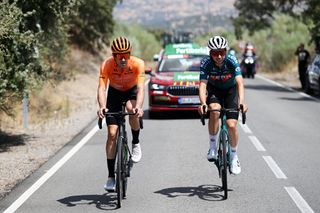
(273,88)
(8,140)
(104,202)
(204,192)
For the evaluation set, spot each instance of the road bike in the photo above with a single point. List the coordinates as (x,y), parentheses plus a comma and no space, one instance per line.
(123,154)
(223,161)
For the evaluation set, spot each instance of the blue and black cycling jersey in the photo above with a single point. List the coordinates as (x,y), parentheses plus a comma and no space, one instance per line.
(220,77)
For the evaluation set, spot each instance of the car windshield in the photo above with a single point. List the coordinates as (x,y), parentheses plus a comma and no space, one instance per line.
(181,64)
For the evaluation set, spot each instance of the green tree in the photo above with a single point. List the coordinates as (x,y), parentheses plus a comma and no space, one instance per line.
(93,25)
(34,38)
(49,21)
(144,43)
(19,66)
(256,15)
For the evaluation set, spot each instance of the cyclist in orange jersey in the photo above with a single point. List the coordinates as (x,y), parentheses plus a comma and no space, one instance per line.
(123,75)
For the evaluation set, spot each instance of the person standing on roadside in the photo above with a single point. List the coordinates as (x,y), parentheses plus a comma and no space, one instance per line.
(303,60)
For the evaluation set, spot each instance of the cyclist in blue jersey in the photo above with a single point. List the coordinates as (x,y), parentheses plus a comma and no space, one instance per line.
(221,80)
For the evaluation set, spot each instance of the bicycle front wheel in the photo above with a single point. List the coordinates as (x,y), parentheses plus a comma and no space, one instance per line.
(125,168)
(119,173)
(224,177)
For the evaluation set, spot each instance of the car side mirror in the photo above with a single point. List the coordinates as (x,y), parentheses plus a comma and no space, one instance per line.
(149,71)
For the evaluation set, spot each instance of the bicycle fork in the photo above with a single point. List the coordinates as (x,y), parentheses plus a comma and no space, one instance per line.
(127,159)
(219,161)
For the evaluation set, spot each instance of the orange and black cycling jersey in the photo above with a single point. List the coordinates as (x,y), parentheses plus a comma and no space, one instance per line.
(122,80)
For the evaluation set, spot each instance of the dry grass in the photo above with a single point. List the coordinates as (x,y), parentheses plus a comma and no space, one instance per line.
(56,100)
(288,76)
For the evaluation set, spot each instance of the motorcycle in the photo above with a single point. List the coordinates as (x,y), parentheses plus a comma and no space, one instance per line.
(248,65)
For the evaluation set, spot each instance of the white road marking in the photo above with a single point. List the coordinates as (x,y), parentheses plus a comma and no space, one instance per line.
(246,128)
(286,87)
(257,143)
(274,167)
(298,199)
(15,205)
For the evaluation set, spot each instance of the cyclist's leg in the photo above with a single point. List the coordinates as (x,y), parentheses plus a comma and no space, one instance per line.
(231,101)
(131,96)
(133,120)
(113,105)
(214,102)
(213,127)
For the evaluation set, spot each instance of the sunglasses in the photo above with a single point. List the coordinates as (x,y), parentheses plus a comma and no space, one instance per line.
(121,56)
(216,53)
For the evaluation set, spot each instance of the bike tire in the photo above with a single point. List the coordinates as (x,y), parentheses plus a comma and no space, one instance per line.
(224,166)
(124,171)
(119,173)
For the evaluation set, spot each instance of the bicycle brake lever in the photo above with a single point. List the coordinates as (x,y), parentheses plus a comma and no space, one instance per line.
(100,123)
(100,120)
(202,116)
(244,117)
(202,120)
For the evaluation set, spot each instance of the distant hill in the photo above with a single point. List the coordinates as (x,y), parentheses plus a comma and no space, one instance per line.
(196,16)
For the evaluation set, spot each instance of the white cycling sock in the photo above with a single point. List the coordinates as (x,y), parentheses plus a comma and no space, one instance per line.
(233,152)
(213,141)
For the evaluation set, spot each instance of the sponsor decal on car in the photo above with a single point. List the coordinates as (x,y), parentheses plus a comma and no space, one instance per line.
(186,49)
(186,76)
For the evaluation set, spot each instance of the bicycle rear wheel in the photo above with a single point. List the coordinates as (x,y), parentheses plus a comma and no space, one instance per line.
(119,173)
(223,167)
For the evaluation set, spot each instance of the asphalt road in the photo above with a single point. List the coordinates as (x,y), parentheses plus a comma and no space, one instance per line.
(278,154)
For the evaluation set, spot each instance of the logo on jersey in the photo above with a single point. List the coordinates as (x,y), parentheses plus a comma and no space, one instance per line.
(222,78)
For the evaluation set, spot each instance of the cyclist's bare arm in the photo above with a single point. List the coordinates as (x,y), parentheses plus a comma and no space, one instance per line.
(140,90)
(101,97)
(140,98)
(202,95)
(240,88)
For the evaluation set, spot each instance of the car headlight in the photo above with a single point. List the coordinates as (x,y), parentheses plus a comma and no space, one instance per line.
(157,87)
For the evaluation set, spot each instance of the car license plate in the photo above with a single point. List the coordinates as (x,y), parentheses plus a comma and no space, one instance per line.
(188,100)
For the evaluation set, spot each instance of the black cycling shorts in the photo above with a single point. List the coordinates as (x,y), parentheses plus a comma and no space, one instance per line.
(115,98)
(228,97)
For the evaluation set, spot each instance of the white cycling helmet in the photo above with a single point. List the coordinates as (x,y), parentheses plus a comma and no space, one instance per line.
(217,42)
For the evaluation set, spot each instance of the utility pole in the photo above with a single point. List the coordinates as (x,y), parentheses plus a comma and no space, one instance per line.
(25,110)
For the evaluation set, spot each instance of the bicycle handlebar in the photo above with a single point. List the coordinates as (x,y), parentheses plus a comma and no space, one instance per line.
(122,114)
(226,110)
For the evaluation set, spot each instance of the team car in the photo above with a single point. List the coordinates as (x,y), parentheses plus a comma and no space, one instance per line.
(313,76)
(174,85)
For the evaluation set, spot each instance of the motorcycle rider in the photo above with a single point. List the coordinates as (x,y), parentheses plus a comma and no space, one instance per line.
(249,54)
